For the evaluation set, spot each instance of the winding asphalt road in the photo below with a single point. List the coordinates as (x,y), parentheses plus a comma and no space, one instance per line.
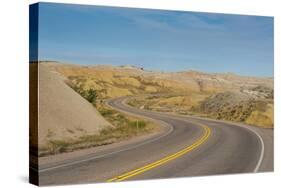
(188,146)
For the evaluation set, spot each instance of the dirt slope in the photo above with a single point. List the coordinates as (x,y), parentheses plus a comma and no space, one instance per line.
(63,113)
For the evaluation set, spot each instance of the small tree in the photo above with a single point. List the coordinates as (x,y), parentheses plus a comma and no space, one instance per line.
(92,96)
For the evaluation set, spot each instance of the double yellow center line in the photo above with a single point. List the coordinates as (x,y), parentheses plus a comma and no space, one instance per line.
(201,140)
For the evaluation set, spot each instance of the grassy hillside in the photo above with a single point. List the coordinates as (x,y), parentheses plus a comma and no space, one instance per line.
(220,96)
(251,107)
(70,120)
(173,102)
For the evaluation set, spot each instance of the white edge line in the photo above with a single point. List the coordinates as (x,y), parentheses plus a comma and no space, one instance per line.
(262,151)
(149,141)
(234,124)
(256,169)
(108,154)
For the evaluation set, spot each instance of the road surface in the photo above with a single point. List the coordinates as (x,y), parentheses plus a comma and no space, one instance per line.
(188,147)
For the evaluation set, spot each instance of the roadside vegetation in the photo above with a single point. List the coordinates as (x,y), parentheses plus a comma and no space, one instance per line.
(220,96)
(123,127)
(251,106)
(173,102)
(90,95)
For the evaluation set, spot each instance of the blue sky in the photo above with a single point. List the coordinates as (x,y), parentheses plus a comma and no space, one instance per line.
(156,39)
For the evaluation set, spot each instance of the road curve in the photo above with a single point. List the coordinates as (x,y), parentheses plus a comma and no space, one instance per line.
(191,147)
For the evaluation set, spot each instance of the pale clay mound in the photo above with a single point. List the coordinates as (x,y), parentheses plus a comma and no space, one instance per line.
(64,114)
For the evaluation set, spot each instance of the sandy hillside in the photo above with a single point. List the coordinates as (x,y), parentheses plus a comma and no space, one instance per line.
(63,113)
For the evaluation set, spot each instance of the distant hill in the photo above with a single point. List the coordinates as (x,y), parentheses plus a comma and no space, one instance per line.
(218,95)
(130,80)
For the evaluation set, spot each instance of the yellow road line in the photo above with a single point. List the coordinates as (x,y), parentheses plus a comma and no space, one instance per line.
(207,132)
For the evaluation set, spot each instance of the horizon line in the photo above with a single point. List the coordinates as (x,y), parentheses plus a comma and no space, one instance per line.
(150,70)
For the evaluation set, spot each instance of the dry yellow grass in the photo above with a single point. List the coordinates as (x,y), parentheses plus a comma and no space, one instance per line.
(262,118)
(181,92)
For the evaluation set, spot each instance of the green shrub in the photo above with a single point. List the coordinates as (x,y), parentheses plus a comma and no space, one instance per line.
(137,124)
(92,96)
(106,112)
(58,146)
